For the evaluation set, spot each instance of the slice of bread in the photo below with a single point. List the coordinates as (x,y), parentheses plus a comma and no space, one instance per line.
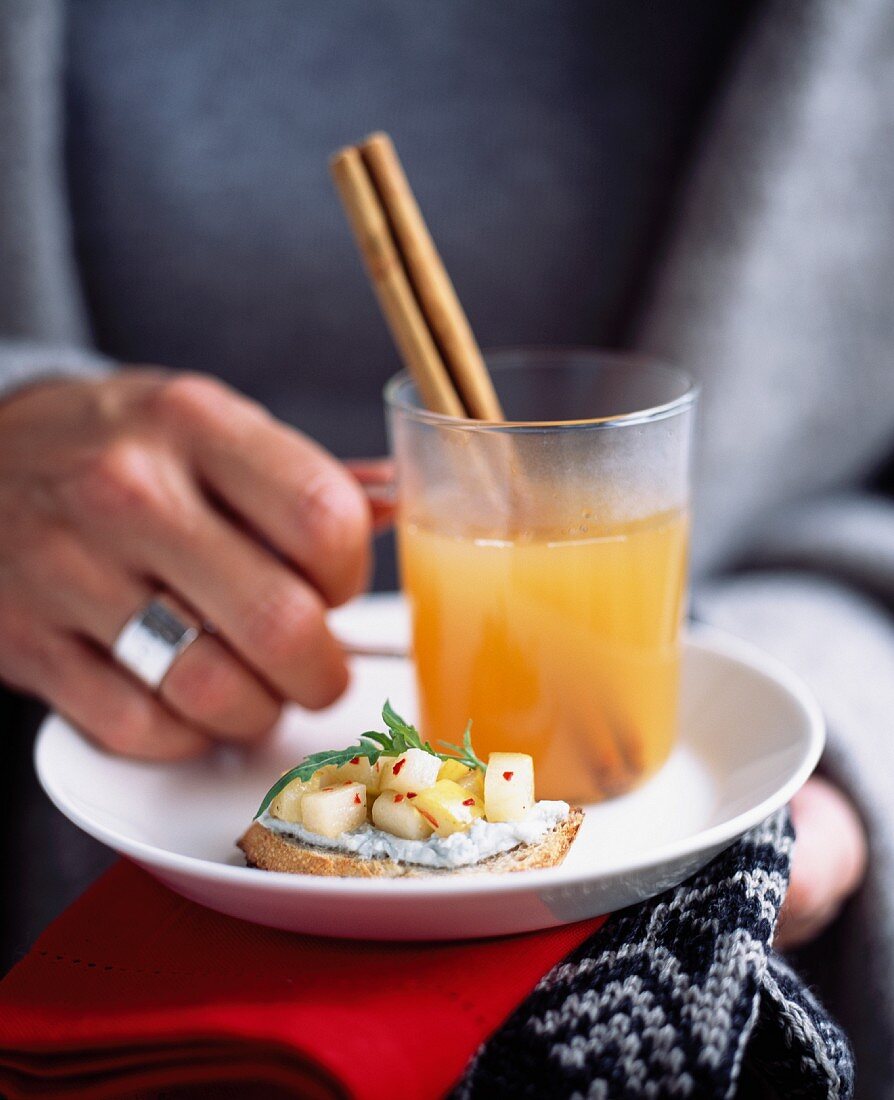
(271,852)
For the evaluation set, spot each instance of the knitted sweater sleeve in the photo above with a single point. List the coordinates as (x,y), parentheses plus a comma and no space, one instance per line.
(43,327)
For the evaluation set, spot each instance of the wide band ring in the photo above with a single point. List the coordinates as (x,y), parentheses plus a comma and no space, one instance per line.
(151,641)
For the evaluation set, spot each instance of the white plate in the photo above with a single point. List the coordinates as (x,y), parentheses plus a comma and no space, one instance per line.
(750,736)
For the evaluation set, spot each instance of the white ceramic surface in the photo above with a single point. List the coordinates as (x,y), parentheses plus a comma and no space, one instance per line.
(750,736)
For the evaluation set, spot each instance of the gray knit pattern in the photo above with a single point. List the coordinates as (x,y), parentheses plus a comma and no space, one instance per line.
(679,996)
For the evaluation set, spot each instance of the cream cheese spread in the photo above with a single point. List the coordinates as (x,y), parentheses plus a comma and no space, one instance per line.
(483,839)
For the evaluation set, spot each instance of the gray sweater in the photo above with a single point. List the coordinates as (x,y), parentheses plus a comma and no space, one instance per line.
(775,290)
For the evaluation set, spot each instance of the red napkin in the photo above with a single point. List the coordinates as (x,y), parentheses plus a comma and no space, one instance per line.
(135,990)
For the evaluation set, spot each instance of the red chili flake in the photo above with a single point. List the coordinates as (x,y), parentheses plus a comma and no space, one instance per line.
(329,788)
(411,794)
(428,817)
(508,775)
(357,799)
(469,802)
(355,760)
(348,783)
(398,798)
(396,769)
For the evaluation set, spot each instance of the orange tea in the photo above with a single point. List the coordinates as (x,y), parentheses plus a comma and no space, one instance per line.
(544,560)
(567,649)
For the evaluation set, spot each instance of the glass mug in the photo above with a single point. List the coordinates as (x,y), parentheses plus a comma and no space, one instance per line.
(544,560)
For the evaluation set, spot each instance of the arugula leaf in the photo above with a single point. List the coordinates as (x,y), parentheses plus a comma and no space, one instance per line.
(317,760)
(464,753)
(372,744)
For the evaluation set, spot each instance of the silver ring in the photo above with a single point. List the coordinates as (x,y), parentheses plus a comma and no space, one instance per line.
(151,641)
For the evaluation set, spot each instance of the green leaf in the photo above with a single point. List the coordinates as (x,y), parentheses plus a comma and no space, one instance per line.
(372,744)
(282,782)
(310,764)
(396,724)
(383,740)
(464,753)
(391,718)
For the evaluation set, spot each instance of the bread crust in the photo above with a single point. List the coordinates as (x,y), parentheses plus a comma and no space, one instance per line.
(269,852)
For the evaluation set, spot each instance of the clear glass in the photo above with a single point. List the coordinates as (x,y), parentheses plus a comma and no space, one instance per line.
(544,560)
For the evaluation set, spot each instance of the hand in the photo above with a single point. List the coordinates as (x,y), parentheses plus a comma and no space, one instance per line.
(828,864)
(377,476)
(112,490)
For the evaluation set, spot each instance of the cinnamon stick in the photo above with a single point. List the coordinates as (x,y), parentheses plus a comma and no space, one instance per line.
(374,216)
(399,304)
(437,297)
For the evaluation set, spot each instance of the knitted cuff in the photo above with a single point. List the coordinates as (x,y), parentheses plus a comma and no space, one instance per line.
(666,998)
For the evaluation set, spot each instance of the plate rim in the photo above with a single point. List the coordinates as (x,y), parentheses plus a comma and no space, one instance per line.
(697,636)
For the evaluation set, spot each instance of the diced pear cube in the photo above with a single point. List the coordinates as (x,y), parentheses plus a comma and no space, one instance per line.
(395,813)
(384,762)
(448,807)
(323,777)
(473,782)
(453,769)
(470,778)
(359,770)
(508,786)
(287,804)
(334,810)
(413,770)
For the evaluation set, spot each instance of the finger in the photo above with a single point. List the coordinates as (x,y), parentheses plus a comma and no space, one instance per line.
(210,685)
(207,684)
(294,494)
(144,503)
(96,696)
(795,931)
(831,845)
(382,509)
(266,613)
(828,864)
(372,471)
(376,478)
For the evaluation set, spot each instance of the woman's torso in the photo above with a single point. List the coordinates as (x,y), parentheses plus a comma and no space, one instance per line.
(542,138)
